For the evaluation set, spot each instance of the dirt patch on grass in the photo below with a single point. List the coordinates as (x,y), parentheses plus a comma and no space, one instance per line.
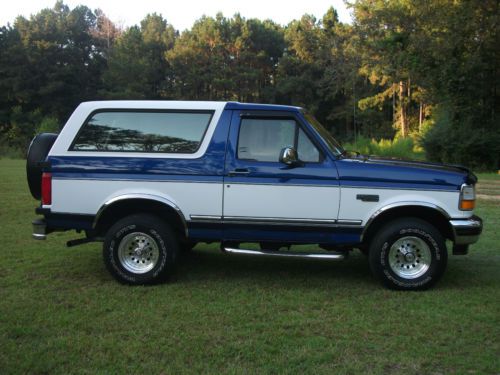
(489,197)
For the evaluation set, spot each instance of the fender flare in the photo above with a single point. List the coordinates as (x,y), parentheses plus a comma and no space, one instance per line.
(150,197)
(390,206)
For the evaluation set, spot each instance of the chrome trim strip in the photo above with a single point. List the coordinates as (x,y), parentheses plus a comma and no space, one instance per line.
(251,220)
(350,222)
(141,196)
(280,219)
(326,256)
(205,217)
(401,204)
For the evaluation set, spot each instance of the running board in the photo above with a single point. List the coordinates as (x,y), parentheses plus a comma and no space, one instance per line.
(326,256)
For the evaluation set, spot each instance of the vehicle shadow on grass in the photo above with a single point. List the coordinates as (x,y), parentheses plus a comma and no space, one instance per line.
(202,265)
(354,271)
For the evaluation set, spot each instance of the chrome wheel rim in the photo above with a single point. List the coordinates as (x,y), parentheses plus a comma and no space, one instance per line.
(138,252)
(410,257)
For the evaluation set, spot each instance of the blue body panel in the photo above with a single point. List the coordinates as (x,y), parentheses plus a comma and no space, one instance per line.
(371,174)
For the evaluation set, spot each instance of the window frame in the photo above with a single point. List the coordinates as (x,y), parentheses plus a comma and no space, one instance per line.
(211,112)
(278,116)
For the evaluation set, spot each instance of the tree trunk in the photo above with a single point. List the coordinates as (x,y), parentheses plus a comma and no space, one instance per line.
(403,119)
(420,117)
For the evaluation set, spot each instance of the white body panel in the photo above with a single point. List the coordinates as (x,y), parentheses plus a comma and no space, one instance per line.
(72,126)
(353,209)
(281,201)
(87,196)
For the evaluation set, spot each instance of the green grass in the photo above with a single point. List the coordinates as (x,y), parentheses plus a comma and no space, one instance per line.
(61,312)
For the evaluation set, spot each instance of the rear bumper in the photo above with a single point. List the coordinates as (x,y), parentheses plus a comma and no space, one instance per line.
(39,229)
(466,231)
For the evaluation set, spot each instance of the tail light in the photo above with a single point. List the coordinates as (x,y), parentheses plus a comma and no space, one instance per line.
(467,198)
(46,188)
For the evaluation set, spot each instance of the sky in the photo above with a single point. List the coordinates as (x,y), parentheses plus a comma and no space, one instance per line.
(182,13)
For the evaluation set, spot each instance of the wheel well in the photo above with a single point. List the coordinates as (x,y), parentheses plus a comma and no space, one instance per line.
(126,207)
(432,216)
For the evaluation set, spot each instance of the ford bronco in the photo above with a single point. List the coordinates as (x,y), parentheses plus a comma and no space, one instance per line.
(152,178)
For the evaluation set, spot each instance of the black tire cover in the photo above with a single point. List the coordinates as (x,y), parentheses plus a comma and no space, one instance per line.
(37,152)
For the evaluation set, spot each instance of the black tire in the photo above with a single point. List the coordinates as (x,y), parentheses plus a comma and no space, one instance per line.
(37,152)
(188,246)
(186,249)
(408,254)
(152,238)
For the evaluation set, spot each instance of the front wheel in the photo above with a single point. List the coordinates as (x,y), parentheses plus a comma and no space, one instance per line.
(408,254)
(140,249)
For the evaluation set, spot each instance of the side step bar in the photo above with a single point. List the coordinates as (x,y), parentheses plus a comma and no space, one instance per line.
(326,256)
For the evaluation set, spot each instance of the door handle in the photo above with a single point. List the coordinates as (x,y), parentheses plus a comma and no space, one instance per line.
(239,172)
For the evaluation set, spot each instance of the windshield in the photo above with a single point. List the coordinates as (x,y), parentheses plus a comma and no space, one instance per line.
(331,142)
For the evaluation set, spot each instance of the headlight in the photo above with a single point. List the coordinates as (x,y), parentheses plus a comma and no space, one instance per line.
(467,198)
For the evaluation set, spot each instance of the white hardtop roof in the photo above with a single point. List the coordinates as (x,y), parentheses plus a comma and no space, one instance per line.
(153,104)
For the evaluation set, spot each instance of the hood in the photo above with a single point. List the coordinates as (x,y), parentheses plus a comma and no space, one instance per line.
(373,159)
(374,171)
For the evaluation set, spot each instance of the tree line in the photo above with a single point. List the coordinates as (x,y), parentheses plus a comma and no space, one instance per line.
(426,70)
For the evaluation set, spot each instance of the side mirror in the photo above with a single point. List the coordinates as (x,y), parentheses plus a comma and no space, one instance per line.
(289,156)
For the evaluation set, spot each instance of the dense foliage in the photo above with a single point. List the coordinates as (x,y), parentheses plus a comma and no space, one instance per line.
(420,70)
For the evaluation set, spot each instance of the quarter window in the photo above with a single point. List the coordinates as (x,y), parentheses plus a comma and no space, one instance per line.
(129,131)
(263,139)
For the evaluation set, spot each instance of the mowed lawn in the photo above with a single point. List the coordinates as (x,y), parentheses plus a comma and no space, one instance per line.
(61,312)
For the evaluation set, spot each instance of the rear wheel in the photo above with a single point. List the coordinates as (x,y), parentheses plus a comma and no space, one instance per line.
(140,249)
(408,254)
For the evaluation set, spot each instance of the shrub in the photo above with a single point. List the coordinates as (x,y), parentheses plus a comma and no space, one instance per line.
(404,148)
(462,142)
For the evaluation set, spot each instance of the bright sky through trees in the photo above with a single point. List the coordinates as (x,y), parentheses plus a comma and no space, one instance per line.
(182,14)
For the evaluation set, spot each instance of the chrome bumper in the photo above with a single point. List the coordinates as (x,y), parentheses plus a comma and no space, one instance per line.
(39,229)
(466,231)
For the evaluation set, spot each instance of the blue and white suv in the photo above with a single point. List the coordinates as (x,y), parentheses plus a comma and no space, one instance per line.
(151,178)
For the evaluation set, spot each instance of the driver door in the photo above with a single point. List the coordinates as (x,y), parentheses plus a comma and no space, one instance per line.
(268,200)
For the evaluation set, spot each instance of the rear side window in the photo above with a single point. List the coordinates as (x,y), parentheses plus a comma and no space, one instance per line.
(129,131)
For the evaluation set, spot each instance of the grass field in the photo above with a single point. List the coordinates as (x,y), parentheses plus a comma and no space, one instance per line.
(61,312)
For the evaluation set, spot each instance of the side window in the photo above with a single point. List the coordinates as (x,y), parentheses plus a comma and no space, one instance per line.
(263,139)
(306,150)
(128,131)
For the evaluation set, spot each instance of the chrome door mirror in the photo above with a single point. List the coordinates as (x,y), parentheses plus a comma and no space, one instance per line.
(289,156)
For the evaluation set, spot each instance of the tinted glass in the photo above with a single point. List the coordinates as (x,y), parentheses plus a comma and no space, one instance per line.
(306,150)
(332,143)
(263,139)
(169,132)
